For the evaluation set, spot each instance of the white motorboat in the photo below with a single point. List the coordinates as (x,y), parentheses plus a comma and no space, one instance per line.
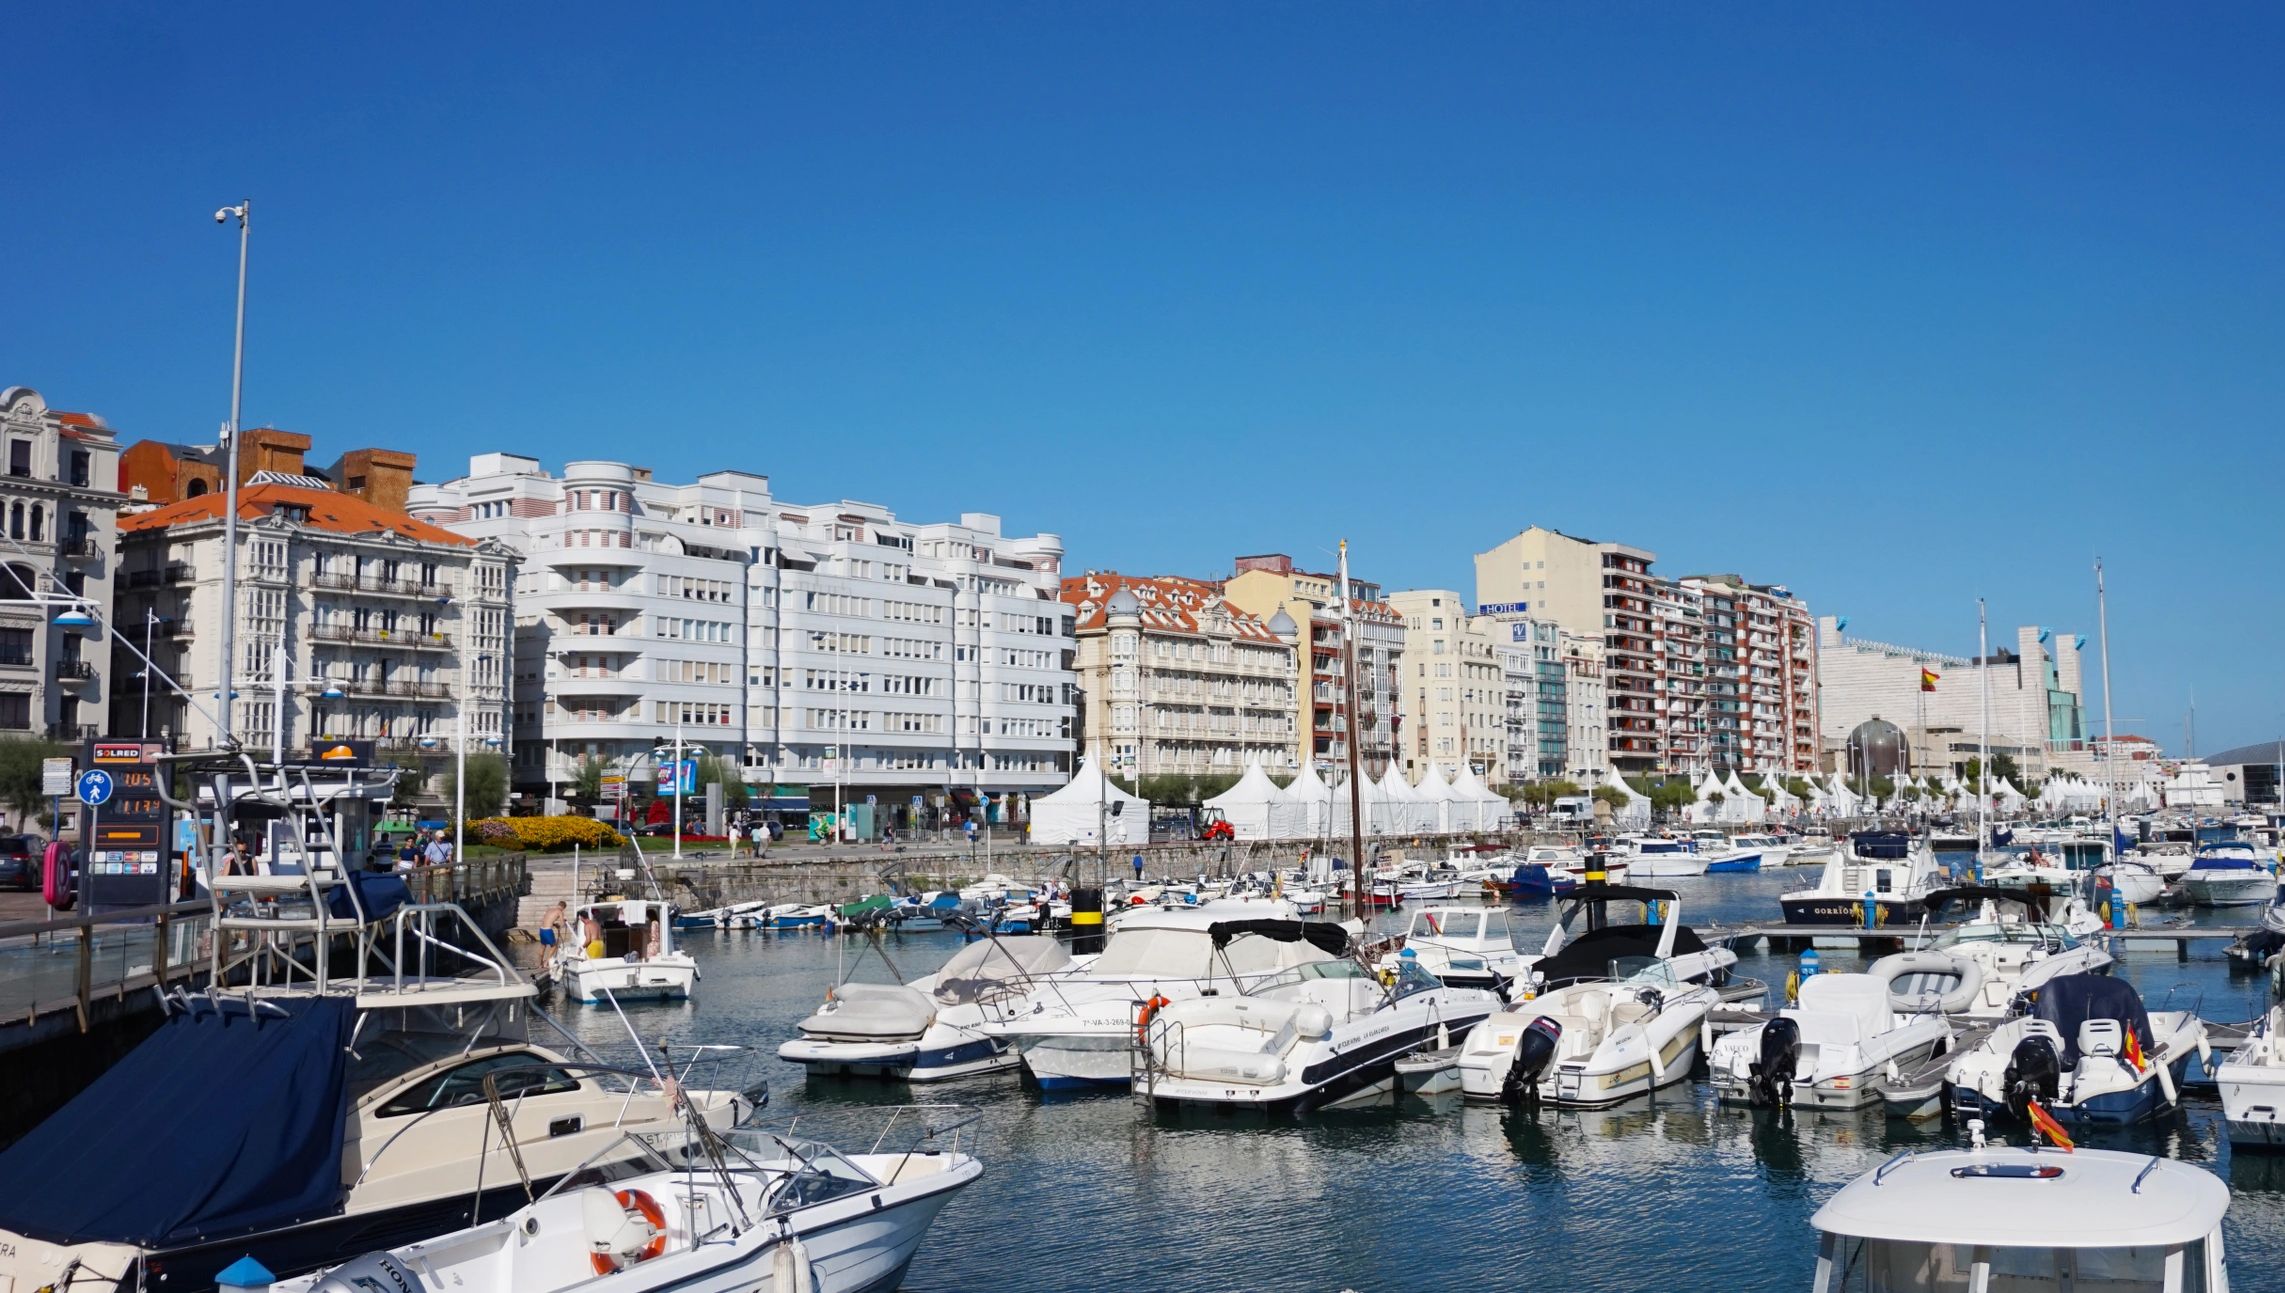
(1664,859)
(2134,880)
(1877,879)
(1586,944)
(2011,1220)
(1316,1035)
(2230,874)
(2087,1052)
(712,1214)
(934,1027)
(2009,940)
(2252,1082)
(1466,947)
(1592,1043)
(634,959)
(1826,1052)
(1081,1029)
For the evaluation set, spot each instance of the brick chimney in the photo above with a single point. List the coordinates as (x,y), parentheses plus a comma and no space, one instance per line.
(381,477)
(269,449)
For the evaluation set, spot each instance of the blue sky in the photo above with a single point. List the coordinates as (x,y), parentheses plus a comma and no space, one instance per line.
(1896,308)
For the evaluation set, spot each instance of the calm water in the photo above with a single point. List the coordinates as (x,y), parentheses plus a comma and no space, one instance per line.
(1093,1193)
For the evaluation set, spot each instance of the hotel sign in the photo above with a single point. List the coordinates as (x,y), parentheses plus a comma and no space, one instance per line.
(1504,608)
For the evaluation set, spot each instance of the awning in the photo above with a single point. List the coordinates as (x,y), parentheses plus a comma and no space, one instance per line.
(1323,935)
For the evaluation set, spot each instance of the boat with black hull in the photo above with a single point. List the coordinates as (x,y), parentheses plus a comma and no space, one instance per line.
(1875,879)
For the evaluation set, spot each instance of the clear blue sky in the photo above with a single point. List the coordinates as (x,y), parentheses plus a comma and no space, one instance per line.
(1896,309)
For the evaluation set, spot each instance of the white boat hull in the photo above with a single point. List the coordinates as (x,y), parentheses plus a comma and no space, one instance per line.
(666,979)
(2228,889)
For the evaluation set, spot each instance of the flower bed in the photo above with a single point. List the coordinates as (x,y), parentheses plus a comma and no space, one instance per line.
(546,834)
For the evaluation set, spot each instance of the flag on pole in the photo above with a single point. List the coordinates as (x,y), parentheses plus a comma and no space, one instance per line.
(1928,680)
(2134,1055)
(2048,1127)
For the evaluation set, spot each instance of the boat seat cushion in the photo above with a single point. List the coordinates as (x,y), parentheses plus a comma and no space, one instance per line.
(1216,1064)
(2106,1037)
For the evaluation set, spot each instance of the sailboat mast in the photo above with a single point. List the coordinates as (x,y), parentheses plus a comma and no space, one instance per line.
(1356,791)
(2110,774)
(1983,735)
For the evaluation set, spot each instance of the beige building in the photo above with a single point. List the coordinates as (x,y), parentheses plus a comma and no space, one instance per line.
(1454,694)
(1268,584)
(60,513)
(1175,681)
(385,626)
(1599,590)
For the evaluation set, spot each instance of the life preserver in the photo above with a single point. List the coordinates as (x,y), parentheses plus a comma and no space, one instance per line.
(640,1203)
(1150,1009)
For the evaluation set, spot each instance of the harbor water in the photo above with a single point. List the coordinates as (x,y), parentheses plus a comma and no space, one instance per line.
(1087,1193)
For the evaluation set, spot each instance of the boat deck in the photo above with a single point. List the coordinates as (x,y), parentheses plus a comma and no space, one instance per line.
(1791,938)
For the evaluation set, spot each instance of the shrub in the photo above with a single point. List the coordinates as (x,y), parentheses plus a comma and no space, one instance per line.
(547,834)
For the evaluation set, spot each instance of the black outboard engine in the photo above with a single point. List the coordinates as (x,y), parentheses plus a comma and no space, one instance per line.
(1770,1081)
(2034,1072)
(1534,1051)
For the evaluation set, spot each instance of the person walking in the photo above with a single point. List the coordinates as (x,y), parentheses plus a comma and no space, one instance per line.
(439,851)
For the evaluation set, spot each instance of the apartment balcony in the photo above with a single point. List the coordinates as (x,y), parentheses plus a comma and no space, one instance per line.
(75,670)
(626,557)
(176,573)
(74,733)
(81,548)
(404,639)
(611,599)
(376,585)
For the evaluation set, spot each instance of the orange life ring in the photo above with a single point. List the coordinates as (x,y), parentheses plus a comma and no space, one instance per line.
(636,1201)
(1150,1008)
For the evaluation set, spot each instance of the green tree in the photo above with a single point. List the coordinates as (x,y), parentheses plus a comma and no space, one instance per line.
(20,776)
(713,769)
(586,783)
(1673,795)
(1798,787)
(1541,794)
(1881,787)
(487,784)
(1612,796)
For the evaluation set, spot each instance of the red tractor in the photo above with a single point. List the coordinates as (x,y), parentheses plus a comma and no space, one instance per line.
(1216,828)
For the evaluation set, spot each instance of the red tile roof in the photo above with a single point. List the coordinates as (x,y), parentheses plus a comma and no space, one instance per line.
(338,513)
(1170,604)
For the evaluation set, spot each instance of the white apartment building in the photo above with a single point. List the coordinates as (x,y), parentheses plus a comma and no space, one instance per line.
(1454,689)
(832,652)
(405,622)
(1178,682)
(60,510)
(1586,748)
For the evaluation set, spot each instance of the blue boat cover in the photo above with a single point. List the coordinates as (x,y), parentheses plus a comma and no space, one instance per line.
(218,1124)
(2072,999)
(381,892)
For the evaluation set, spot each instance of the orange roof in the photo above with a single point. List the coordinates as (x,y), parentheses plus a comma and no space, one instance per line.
(1170,603)
(338,513)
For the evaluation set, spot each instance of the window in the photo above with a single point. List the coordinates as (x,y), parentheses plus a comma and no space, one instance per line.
(463,1084)
(19,457)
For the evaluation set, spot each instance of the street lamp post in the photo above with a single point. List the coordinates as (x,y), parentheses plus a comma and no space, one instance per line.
(230,477)
(150,621)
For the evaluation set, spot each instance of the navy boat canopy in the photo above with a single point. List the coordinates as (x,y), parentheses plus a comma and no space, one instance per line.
(1882,846)
(2072,999)
(221,1123)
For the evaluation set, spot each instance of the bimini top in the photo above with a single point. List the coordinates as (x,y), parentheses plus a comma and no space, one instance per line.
(2026,1198)
(1589,956)
(250,1110)
(1324,935)
(2033,900)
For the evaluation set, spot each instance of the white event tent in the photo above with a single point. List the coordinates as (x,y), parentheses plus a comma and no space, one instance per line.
(1072,815)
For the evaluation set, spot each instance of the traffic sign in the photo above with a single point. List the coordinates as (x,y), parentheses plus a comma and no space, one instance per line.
(94,787)
(55,777)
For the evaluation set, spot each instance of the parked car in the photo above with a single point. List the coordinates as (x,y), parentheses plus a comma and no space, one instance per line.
(19,862)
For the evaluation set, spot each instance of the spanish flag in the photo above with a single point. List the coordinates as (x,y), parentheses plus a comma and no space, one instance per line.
(2134,1055)
(2046,1125)
(1928,680)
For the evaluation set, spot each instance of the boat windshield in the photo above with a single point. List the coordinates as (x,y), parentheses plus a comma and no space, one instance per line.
(2008,932)
(1644,971)
(1896,1266)
(1433,925)
(1312,973)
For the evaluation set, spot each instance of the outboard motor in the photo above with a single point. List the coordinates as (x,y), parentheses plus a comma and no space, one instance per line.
(1770,1081)
(2034,1072)
(372,1271)
(1534,1051)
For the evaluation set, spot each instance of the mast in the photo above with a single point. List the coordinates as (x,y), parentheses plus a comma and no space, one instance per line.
(2110,776)
(1356,791)
(1983,737)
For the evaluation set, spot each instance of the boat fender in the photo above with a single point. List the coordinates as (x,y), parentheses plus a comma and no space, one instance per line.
(790,1269)
(637,1205)
(1313,1023)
